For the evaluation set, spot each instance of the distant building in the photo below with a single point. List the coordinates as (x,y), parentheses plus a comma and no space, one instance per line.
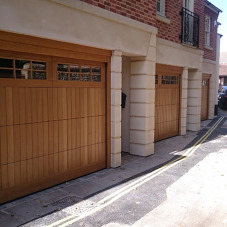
(222,75)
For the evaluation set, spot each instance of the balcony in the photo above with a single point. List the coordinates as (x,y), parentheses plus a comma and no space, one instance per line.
(189,28)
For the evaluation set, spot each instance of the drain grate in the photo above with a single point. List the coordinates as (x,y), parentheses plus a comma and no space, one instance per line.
(81,207)
(66,202)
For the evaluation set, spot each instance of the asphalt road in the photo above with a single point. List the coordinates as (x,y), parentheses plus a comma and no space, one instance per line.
(189,190)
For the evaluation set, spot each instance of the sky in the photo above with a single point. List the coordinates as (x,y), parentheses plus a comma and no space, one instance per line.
(222,29)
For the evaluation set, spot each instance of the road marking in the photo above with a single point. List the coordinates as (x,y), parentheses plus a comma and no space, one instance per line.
(142,180)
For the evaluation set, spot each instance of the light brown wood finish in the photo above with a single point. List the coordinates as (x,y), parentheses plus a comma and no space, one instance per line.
(205,97)
(51,131)
(167,102)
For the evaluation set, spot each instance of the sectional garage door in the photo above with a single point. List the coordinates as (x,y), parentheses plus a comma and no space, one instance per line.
(167,102)
(52,121)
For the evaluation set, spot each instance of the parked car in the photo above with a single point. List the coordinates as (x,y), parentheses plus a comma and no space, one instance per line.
(222,97)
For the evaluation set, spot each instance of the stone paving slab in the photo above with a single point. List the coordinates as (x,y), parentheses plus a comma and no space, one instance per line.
(30,210)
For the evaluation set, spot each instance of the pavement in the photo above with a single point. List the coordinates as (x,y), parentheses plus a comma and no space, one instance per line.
(176,185)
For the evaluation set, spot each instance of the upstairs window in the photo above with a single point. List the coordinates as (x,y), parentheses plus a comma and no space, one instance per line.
(207,31)
(161,7)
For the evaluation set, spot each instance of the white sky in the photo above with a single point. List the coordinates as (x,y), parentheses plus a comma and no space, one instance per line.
(222,5)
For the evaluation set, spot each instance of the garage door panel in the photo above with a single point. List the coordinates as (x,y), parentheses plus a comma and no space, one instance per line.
(166,106)
(51,132)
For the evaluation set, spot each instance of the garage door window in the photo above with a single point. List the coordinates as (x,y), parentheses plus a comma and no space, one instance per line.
(169,79)
(22,69)
(78,72)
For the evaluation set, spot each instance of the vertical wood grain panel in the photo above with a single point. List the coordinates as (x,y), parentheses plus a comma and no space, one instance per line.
(62,135)
(3,112)
(16,106)
(40,139)
(11,176)
(73,102)
(50,104)
(77,103)
(10,144)
(29,141)
(45,137)
(17,141)
(69,134)
(56,164)
(4,148)
(41,168)
(55,103)
(70,159)
(51,137)
(34,105)
(83,129)
(23,171)
(29,170)
(28,105)
(35,151)
(5,177)
(23,143)
(51,165)
(64,104)
(45,104)
(74,133)
(22,105)
(40,104)
(79,132)
(9,106)
(56,149)
(35,169)
(69,103)
(17,169)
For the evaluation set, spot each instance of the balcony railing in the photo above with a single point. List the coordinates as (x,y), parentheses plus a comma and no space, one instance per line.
(190,28)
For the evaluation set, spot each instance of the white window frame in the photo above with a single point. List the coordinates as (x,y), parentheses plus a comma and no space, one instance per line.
(189,4)
(161,11)
(207,30)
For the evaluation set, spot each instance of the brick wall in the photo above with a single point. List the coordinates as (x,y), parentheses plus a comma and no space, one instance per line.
(199,10)
(171,31)
(140,10)
(145,11)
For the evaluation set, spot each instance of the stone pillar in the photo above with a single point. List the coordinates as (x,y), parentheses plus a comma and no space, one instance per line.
(184,101)
(194,100)
(142,103)
(116,86)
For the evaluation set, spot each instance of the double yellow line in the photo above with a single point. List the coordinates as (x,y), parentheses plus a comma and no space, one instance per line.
(142,180)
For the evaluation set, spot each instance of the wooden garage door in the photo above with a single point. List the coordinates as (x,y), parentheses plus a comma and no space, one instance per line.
(52,121)
(205,97)
(167,96)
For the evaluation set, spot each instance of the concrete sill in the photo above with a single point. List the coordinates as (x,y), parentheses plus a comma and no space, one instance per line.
(163,19)
(208,47)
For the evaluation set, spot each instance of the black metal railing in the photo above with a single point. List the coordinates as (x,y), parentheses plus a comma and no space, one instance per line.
(190,28)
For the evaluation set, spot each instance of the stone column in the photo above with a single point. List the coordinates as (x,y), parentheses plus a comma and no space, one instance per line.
(184,99)
(142,103)
(116,86)
(194,100)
